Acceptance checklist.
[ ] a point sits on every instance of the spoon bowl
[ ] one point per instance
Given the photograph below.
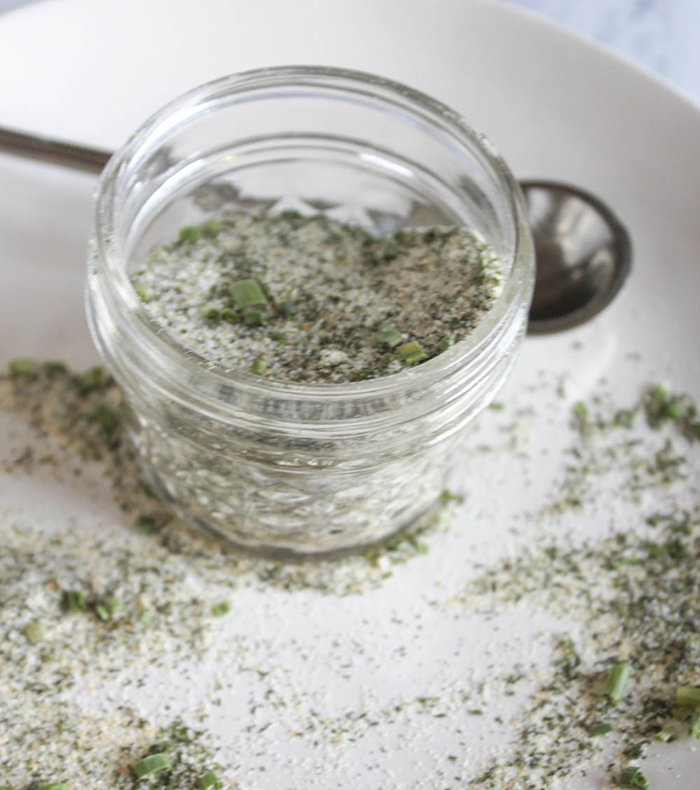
(583, 255)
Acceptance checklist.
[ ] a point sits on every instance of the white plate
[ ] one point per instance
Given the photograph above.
(555, 105)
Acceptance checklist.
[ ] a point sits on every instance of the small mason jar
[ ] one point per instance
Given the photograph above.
(301, 468)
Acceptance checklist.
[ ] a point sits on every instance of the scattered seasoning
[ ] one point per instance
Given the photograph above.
(221, 609)
(153, 764)
(632, 596)
(349, 305)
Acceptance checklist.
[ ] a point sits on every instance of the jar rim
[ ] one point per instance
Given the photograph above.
(163, 346)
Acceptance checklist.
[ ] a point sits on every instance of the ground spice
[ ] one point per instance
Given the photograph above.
(308, 299)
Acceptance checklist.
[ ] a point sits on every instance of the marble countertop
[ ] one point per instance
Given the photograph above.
(660, 35)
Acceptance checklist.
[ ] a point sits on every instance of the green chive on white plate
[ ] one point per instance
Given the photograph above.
(378, 689)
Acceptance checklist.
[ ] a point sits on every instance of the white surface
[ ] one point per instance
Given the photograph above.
(660, 35)
(556, 106)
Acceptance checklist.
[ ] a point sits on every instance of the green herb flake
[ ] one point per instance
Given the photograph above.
(258, 367)
(189, 234)
(212, 228)
(106, 418)
(633, 777)
(388, 335)
(212, 314)
(688, 697)
(601, 729)
(92, 379)
(695, 727)
(278, 337)
(54, 786)
(253, 318)
(287, 309)
(665, 735)
(227, 314)
(35, 632)
(496, 406)
(413, 352)
(210, 781)
(247, 293)
(22, 368)
(220, 609)
(142, 292)
(151, 765)
(54, 368)
(146, 524)
(447, 496)
(624, 418)
(73, 601)
(580, 411)
(446, 342)
(616, 683)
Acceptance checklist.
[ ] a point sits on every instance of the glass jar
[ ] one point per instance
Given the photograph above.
(301, 468)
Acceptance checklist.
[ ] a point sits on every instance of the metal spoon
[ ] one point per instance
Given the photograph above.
(583, 252)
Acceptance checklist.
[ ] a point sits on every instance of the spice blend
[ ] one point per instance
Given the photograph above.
(309, 299)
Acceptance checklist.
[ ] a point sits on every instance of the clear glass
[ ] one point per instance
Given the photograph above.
(272, 466)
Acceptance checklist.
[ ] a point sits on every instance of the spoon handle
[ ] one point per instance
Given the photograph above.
(56, 152)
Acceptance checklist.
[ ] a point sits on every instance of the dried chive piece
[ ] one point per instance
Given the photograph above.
(114, 605)
(412, 352)
(103, 612)
(624, 418)
(695, 727)
(496, 406)
(247, 293)
(212, 313)
(258, 367)
(447, 496)
(365, 373)
(279, 337)
(212, 228)
(616, 682)
(601, 729)
(54, 368)
(665, 735)
(190, 234)
(688, 697)
(388, 335)
(22, 368)
(633, 777)
(389, 251)
(446, 342)
(210, 781)
(151, 765)
(227, 314)
(92, 379)
(221, 609)
(287, 309)
(54, 786)
(73, 601)
(105, 417)
(35, 632)
(253, 318)
(142, 292)
(146, 524)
